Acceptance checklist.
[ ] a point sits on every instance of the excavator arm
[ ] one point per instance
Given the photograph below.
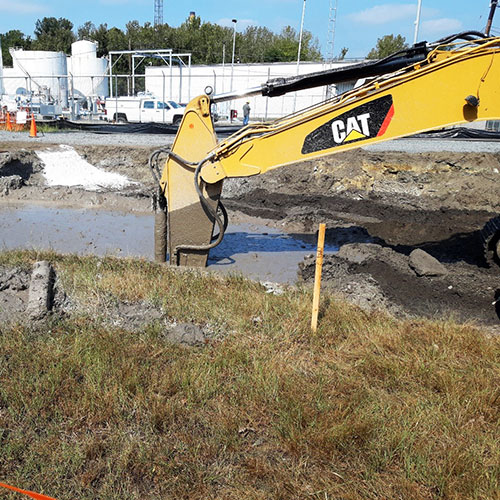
(452, 83)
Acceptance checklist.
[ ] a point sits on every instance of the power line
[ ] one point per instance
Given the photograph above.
(158, 12)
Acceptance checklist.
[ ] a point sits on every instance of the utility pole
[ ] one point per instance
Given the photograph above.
(493, 6)
(158, 12)
(300, 48)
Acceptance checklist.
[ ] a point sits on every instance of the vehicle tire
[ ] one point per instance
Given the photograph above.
(177, 120)
(121, 119)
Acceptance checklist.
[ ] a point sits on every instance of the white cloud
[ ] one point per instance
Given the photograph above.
(387, 13)
(439, 26)
(21, 7)
(382, 14)
(240, 25)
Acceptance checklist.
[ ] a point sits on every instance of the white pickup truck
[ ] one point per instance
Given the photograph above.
(143, 110)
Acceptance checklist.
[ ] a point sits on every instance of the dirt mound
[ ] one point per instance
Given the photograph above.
(377, 277)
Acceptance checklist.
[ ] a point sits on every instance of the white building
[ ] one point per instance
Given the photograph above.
(171, 83)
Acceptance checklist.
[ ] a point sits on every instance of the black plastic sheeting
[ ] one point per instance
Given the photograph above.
(460, 133)
(128, 128)
(160, 128)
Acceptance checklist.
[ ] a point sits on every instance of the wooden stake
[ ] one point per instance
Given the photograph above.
(317, 277)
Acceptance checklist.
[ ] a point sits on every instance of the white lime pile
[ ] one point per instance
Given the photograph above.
(65, 167)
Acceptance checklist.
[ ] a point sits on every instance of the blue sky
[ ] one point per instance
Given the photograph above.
(359, 23)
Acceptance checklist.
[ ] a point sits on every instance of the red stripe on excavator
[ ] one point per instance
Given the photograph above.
(32, 494)
(386, 122)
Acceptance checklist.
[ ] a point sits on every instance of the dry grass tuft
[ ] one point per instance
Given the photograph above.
(367, 408)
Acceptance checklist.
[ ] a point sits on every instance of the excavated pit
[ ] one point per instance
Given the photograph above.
(398, 202)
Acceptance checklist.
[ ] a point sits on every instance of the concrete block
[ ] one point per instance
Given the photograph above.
(41, 291)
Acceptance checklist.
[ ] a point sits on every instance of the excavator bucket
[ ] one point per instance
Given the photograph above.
(190, 223)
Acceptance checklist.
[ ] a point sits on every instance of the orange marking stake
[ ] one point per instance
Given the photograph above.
(33, 126)
(9, 123)
(317, 277)
(31, 494)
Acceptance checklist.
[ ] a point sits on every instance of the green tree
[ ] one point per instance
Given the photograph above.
(54, 34)
(386, 46)
(285, 46)
(343, 53)
(86, 30)
(13, 38)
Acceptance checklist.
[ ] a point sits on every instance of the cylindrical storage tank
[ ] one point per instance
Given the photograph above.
(88, 72)
(84, 48)
(45, 69)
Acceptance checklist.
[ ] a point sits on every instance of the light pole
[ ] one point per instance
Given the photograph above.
(300, 48)
(417, 22)
(300, 34)
(234, 21)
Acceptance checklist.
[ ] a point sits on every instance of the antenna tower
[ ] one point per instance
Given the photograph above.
(332, 21)
(158, 12)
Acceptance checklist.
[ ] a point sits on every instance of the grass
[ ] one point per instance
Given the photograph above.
(367, 408)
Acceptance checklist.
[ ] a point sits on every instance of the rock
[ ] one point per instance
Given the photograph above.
(186, 334)
(41, 292)
(357, 253)
(13, 279)
(11, 182)
(426, 265)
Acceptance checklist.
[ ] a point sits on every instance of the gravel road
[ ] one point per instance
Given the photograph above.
(437, 145)
(74, 138)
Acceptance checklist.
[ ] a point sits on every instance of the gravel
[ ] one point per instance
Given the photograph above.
(90, 139)
(76, 138)
(437, 145)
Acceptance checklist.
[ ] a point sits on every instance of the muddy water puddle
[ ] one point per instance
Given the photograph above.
(256, 251)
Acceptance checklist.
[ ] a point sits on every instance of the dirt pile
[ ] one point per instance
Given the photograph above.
(412, 181)
(377, 277)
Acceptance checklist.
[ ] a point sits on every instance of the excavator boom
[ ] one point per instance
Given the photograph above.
(453, 83)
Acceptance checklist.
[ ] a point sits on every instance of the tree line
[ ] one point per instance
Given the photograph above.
(204, 40)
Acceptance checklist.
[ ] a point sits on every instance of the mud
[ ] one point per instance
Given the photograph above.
(380, 205)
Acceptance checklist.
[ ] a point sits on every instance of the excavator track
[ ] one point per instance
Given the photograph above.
(490, 235)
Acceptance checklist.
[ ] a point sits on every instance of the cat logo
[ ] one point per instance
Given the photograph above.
(356, 127)
(369, 120)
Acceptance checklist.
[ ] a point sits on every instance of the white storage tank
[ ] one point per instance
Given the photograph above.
(44, 70)
(87, 72)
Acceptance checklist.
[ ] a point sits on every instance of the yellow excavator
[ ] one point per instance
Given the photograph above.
(431, 85)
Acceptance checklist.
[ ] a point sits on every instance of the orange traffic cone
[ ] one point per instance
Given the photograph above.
(33, 126)
(9, 123)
